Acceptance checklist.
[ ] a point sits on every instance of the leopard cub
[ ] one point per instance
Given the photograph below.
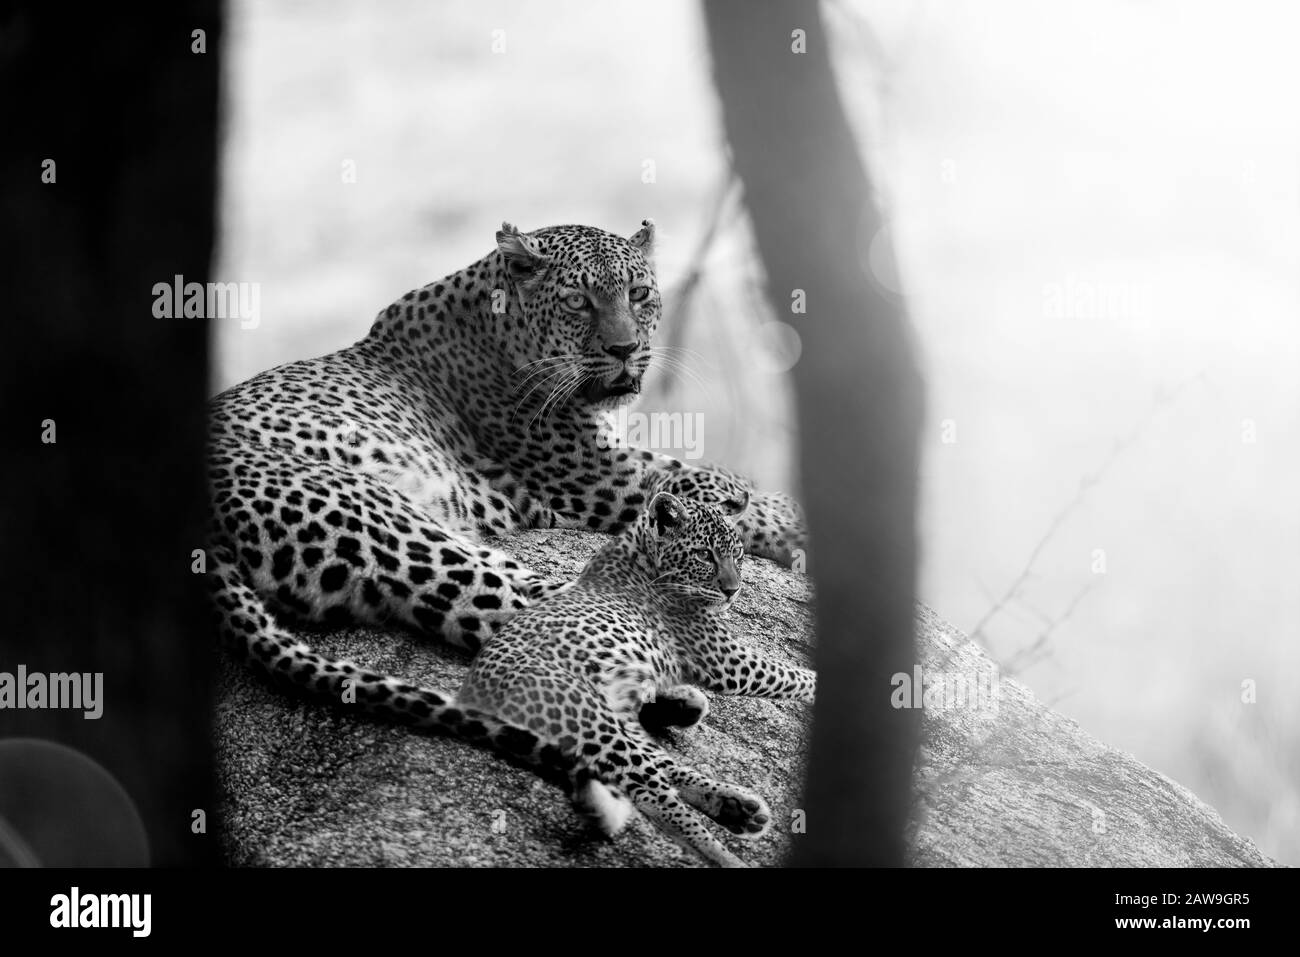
(568, 685)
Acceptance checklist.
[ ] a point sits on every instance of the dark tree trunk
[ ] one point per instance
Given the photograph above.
(860, 411)
(98, 527)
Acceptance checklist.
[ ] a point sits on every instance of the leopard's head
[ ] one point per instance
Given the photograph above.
(696, 550)
(583, 305)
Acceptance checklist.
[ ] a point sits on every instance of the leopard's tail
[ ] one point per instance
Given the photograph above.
(247, 627)
(251, 631)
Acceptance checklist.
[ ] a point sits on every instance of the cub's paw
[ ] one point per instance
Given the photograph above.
(739, 810)
(744, 813)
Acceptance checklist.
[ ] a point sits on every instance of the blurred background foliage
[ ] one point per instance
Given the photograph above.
(1094, 208)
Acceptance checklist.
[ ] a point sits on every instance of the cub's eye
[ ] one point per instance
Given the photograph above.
(704, 555)
(638, 293)
(576, 301)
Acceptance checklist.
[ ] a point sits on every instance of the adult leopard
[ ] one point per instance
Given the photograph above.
(359, 486)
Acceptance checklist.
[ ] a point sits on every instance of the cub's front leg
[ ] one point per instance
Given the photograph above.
(726, 666)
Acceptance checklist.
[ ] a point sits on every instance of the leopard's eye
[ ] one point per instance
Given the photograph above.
(576, 301)
(704, 555)
(638, 293)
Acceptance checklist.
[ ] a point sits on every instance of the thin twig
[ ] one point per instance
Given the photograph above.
(1086, 484)
(1028, 656)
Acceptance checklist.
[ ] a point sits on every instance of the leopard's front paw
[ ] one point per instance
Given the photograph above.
(743, 812)
(738, 809)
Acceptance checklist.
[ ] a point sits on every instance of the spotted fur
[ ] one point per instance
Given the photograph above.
(365, 486)
(566, 684)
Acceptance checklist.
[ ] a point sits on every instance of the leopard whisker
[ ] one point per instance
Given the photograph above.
(565, 376)
(670, 350)
(555, 374)
(678, 355)
(568, 394)
(550, 363)
(562, 355)
(560, 392)
(681, 370)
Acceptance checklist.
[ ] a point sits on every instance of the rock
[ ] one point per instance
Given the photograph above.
(302, 784)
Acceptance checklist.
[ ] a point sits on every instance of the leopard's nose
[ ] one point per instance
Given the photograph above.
(621, 350)
(729, 591)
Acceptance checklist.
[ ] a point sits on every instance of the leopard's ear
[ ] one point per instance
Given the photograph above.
(667, 511)
(644, 238)
(524, 261)
(735, 506)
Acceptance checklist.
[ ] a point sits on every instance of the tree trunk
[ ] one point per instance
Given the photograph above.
(860, 409)
(99, 524)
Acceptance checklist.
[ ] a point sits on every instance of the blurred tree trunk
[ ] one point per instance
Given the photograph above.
(98, 526)
(860, 411)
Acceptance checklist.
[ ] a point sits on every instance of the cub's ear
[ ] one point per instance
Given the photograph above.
(735, 507)
(644, 238)
(523, 259)
(667, 511)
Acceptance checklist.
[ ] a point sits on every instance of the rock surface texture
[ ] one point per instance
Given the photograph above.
(1010, 783)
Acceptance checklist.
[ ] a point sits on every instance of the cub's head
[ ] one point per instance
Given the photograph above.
(697, 552)
(583, 304)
